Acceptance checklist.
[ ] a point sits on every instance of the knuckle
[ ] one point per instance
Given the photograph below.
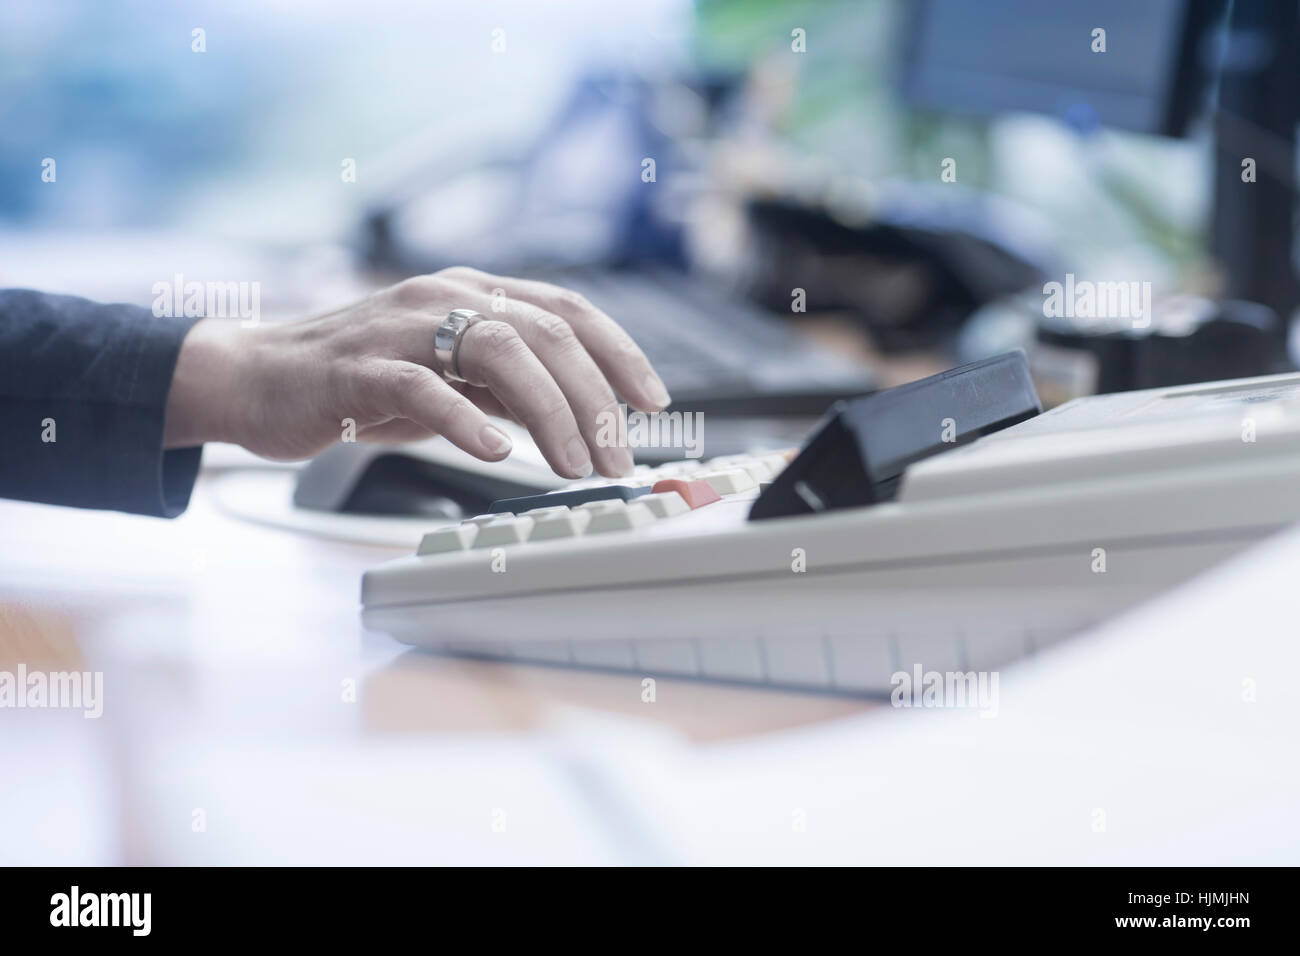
(609, 410)
(370, 390)
(553, 329)
(571, 301)
(382, 382)
(628, 350)
(551, 407)
(497, 340)
(461, 274)
(416, 290)
(369, 380)
(459, 411)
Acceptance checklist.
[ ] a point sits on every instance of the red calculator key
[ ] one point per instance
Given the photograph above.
(697, 494)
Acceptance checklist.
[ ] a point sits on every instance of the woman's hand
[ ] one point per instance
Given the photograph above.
(545, 357)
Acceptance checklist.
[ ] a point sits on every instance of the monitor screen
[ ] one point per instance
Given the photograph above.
(1043, 56)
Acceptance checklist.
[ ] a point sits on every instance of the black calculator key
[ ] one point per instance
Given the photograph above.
(567, 499)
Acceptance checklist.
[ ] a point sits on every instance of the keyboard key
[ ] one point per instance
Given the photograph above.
(570, 499)
(503, 531)
(456, 538)
(729, 482)
(598, 482)
(561, 523)
(696, 494)
(481, 520)
(675, 469)
(600, 507)
(723, 462)
(617, 516)
(541, 512)
(665, 504)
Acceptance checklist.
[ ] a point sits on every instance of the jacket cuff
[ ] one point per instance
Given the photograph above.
(85, 401)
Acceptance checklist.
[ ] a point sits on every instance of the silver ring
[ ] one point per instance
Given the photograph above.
(446, 341)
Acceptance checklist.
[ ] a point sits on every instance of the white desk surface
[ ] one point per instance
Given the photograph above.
(226, 646)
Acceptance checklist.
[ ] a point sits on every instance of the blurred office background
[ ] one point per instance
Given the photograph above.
(776, 170)
(796, 145)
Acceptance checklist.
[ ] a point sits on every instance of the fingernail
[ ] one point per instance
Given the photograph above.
(496, 440)
(655, 391)
(579, 460)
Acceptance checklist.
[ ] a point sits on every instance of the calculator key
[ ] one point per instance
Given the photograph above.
(723, 462)
(757, 470)
(729, 482)
(601, 507)
(696, 494)
(675, 469)
(507, 529)
(665, 504)
(537, 513)
(597, 482)
(571, 499)
(619, 517)
(561, 523)
(456, 538)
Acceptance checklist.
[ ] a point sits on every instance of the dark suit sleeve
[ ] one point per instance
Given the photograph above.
(83, 394)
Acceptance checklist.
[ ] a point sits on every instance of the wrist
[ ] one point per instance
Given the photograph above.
(205, 387)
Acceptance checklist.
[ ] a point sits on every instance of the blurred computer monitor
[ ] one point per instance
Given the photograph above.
(1163, 60)
(1035, 56)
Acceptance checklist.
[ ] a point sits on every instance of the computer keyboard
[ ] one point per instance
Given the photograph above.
(715, 353)
(977, 556)
(589, 508)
